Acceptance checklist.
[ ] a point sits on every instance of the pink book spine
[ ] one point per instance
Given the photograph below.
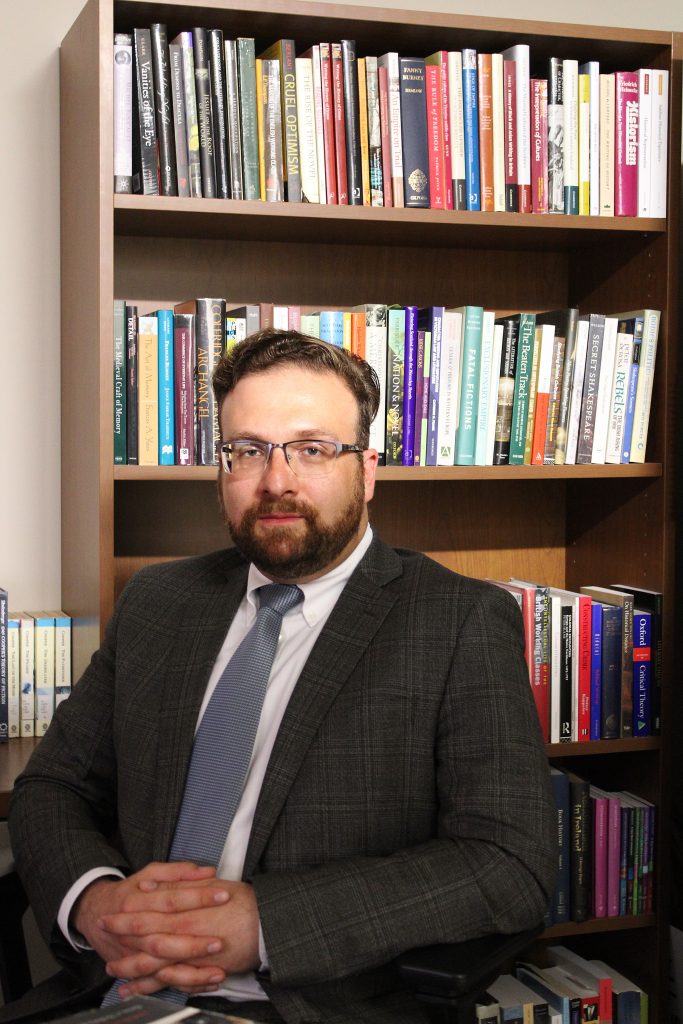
(613, 855)
(539, 145)
(626, 144)
(584, 674)
(446, 119)
(599, 856)
(435, 138)
(183, 344)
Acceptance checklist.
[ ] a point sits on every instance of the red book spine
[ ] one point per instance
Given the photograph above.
(539, 145)
(510, 100)
(626, 144)
(385, 133)
(485, 87)
(328, 122)
(339, 124)
(183, 344)
(435, 137)
(446, 120)
(584, 673)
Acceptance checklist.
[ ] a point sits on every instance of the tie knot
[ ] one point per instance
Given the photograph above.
(279, 596)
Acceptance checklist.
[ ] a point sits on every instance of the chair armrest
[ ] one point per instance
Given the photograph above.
(450, 971)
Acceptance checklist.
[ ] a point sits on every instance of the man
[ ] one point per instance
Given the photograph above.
(397, 792)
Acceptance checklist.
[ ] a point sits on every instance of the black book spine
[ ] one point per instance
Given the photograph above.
(218, 112)
(175, 54)
(233, 119)
(145, 129)
(414, 132)
(210, 343)
(505, 394)
(352, 118)
(203, 92)
(132, 385)
(164, 110)
(580, 849)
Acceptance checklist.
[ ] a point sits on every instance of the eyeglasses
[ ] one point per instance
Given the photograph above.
(307, 458)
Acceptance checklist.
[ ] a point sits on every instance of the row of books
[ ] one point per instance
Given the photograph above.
(458, 386)
(570, 989)
(594, 659)
(204, 116)
(35, 669)
(605, 852)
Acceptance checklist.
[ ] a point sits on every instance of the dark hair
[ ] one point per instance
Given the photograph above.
(268, 348)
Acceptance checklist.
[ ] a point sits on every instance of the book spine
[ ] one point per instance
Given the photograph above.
(319, 123)
(246, 64)
(385, 134)
(520, 401)
(599, 905)
(376, 317)
(646, 373)
(131, 385)
(555, 135)
(610, 704)
(175, 56)
(510, 136)
(164, 110)
(472, 325)
(642, 673)
(660, 135)
(339, 124)
(457, 129)
(184, 360)
(470, 106)
(352, 121)
(45, 671)
(191, 120)
(485, 107)
(505, 392)
(62, 657)
(446, 130)
(364, 131)
(569, 329)
(559, 910)
(570, 99)
(644, 176)
(626, 144)
(414, 132)
(573, 418)
(272, 132)
(434, 385)
(539, 145)
(554, 399)
(498, 117)
(4, 668)
(584, 91)
(484, 412)
(626, 702)
(210, 342)
(637, 326)
(202, 84)
(389, 61)
(290, 125)
(619, 396)
(590, 390)
(374, 132)
(607, 130)
(395, 390)
(584, 655)
(305, 102)
(219, 121)
(422, 423)
(613, 869)
(449, 386)
(146, 138)
(120, 438)
(123, 113)
(166, 399)
(567, 732)
(520, 55)
(13, 676)
(148, 391)
(437, 194)
(592, 69)
(234, 137)
(328, 122)
(27, 674)
(410, 375)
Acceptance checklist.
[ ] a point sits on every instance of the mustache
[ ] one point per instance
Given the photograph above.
(287, 506)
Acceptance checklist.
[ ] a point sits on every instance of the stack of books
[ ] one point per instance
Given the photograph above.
(35, 669)
(204, 116)
(594, 659)
(459, 386)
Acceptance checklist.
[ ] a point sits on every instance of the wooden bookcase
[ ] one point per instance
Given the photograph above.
(562, 525)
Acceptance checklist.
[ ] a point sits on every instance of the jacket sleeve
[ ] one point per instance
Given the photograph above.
(490, 866)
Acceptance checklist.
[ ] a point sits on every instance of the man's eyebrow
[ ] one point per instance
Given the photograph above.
(308, 433)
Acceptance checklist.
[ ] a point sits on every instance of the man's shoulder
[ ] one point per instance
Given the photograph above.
(203, 571)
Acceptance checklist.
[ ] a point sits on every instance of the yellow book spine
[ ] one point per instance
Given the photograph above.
(363, 130)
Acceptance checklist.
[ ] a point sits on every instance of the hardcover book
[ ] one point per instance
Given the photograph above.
(520, 55)
(175, 58)
(209, 345)
(555, 136)
(596, 329)
(506, 389)
(470, 365)
(457, 129)
(184, 364)
(470, 107)
(650, 600)
(163, 103)
(202, 83)
(626, 144)
(232, 118)
(123, 114)
(485, 107)
(396, 333)
(148, 391)
(354, 169)
(625, 602)
(144, 126)
(414, 132)
(165, 392)
(339, 116)
(120, 440)
(248, 116)
(390, 84)
(283, 51)
(219, 115)
(184, 40)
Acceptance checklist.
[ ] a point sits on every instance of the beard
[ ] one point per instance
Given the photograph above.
(291, 554)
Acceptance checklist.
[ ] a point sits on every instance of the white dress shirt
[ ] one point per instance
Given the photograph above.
(301, 627)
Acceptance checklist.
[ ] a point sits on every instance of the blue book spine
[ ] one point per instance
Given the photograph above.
(433, 321)
(596, 668)
(332, 327)
(166, 397)
(470, 363)
(409, 386)
(637, 330)
(610, 705)
(642, 673)
(470, 106)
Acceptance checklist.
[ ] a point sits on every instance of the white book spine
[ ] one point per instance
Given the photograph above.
(570, 148)
(376, 356)
(607, 99)
(495, 374)
(646, 373)
(27, 708)
(13, 675)
(484, 398)
(498, 116)
(457, 118)
(319, 126)
(449, 386)
(604, 396)
(592, 69)
(308, 147)
(62, 657)
(660, 135)
(374, 129)
(520, 55)
(123, 113)
(577, 391)
(555, 666)
(45, 672)
(584, 144)
(622, 368)
(390, 62)
(645, 76)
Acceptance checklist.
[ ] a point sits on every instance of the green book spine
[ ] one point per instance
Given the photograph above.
(396, 334)
(119, 382)
(246, 63)
(472, 319)
(520, 406)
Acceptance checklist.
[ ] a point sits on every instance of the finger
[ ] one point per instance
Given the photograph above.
(185, 976)
(167, 948)
(133, 966)
(151, 875)
(174, 900)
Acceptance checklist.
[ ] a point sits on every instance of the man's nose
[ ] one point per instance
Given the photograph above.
(278, 476)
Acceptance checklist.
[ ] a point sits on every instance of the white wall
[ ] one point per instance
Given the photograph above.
(29, 264)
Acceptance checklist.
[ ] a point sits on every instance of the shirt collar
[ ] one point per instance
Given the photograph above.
(320, 595)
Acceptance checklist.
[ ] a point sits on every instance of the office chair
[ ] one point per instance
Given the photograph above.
(15, 975)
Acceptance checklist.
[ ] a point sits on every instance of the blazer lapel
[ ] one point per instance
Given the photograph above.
(201, 628)
(353, 622)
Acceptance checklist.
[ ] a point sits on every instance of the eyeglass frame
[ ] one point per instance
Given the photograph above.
(341, 448)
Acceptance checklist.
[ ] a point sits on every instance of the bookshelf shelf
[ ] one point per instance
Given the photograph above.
(600, 924)
(562, 525)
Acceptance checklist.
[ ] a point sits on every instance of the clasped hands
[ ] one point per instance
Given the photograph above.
(171, 925)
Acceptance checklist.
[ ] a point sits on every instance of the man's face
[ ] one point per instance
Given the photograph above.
(295, 528)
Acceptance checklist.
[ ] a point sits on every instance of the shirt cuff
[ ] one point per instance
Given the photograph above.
(73, 937)
(262, 952)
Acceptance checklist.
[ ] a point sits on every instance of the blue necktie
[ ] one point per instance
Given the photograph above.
(224, 743)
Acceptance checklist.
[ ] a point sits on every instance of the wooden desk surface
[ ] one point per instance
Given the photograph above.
(13, 756)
